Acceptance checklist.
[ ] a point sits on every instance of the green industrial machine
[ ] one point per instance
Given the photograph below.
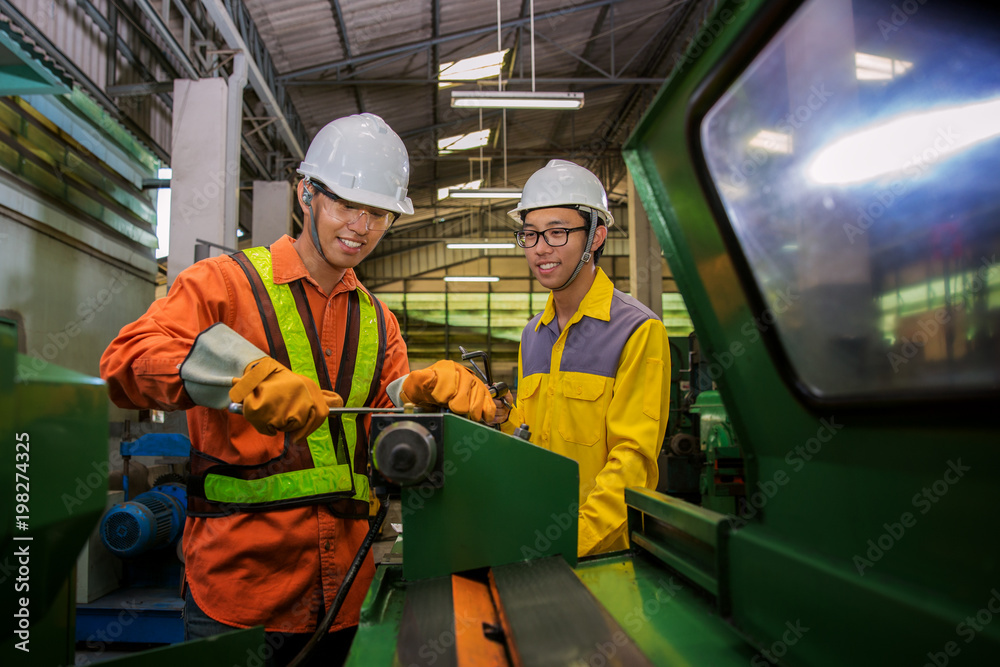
(820, 175)
(840, 268)
(700, 461)
(54, 423)
(720, 481)
(55, 431)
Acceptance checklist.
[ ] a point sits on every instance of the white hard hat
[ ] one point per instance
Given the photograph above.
(360, 159)
(564, 183)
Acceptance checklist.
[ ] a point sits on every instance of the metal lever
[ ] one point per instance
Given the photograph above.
(486, 375)
(237, 409)
(498, 389)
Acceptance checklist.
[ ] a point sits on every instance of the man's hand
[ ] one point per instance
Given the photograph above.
(451, 385)
(502, 412)
(276, 399)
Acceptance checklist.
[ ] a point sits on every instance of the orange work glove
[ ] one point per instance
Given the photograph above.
(276, 399)
(452, 385)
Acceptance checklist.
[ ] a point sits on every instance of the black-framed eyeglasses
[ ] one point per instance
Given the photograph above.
(344, 212)
(555, 237)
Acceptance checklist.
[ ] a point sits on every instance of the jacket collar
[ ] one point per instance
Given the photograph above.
(596, 302)
(287, 267)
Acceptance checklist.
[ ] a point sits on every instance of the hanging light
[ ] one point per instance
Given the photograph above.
(507, 99)
(485, 193)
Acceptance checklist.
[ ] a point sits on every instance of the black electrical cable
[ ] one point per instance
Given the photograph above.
(345, 586)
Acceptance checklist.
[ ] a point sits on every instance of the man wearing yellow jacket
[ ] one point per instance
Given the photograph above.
(594, 366)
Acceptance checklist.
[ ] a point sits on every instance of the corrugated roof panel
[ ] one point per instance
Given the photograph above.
(468, 14)
(382, 24)
(297, 33)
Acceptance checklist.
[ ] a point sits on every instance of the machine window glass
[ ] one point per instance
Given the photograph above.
(856, 159)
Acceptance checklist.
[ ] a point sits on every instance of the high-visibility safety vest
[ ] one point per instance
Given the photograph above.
(331, 467)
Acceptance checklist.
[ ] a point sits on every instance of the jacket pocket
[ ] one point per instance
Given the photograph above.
(582, 418)
(528, 386)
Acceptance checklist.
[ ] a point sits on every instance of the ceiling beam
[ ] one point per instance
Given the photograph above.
(575, 80)
(262, 74)
(562, 119)
(338, 16)
(619, 121)
(427, 43)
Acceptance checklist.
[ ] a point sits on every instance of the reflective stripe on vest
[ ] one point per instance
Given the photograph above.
(331, 474)
(366, 358)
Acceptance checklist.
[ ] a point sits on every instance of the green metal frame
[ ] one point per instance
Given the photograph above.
(58, 419)
(830, 489)
(500, 500)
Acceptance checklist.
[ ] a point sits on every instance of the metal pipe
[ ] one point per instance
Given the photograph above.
(164, 32)
(234, 132)
(231, 33)
(237, 409)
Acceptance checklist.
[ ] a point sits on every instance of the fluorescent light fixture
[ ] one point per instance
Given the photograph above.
(495, 99)
(475, 68)
(914, 139)
(870, 67)
(486, 245)
(461, 142)
(485, 193)
(773, 142)
(471, 279)
(471, 185)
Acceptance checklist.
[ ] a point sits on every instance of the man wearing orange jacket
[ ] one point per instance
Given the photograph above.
(279, 498)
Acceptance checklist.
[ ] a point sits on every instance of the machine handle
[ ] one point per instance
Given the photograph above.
(237, 409)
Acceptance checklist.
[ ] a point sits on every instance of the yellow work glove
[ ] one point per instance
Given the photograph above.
(276, 399)
(451, 385)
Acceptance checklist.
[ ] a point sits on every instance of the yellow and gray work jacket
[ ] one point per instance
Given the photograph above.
(331, 465)
(597, 391)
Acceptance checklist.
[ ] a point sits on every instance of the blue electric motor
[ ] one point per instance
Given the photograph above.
(148, 521)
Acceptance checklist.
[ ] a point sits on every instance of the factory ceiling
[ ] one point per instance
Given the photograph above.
(390, 57)
(315, 60)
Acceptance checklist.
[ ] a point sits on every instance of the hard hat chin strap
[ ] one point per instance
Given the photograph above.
(307, 199)
(586, 251)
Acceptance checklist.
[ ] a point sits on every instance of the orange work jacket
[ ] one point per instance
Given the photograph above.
(280, 569)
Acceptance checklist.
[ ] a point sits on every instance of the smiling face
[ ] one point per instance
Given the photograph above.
(345, 243)
(553, 266)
